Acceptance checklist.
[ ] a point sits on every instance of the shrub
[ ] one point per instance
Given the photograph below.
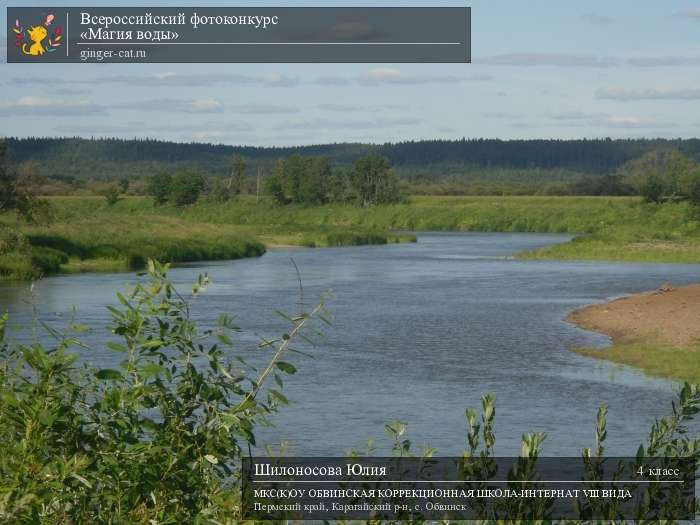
(355, 238)
(135, 261)
(157, 439)
(186, 187)
(12, 240)
(159, 187)
(111, 195)
(48, 260)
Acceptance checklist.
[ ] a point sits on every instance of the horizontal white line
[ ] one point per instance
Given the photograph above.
(455, 481)
(269, 43)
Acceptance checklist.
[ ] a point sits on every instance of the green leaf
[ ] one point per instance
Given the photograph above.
(287, 368)
(46, 418)
(151, 369)
(80, 328)
(153, 343)
(225, 339)
(116, 347)
(109, 375)
(281, 398)
(82, 480)
(3, 322)
(123, 300)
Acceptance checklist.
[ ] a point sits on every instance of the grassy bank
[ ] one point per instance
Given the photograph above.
(656, 359)
(106, 243)
(610, 228)
(86, 233)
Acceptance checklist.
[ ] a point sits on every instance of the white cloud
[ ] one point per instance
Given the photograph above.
(394, 76)
(207, 105)
(380, 122)
(264, 109)
(346, 108)
(208, 131)
(171, 79)
(129, 129)
(624, 94)
(547, 59)
(577, 119)
(31, 105)
(664, 61)
(389, 75)
(576, 115)
(621, 121)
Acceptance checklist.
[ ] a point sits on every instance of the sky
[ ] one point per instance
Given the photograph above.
(541, 69)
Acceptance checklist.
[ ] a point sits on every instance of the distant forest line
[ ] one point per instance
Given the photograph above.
(439, 167)
(76, 156)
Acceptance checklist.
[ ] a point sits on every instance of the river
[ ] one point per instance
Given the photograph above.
(421, 331)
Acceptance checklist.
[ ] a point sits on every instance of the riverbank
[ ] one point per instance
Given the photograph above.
(86, 233)
(656, 331)
(624, 229)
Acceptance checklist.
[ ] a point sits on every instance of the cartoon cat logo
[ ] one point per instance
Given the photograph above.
(31, 41)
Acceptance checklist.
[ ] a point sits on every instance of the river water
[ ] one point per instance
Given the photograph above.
(421, 331)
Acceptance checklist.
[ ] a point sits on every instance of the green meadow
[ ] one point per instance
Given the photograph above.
(88, 234)
(680, 363)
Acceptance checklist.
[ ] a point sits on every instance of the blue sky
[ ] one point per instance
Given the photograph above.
(542, 69)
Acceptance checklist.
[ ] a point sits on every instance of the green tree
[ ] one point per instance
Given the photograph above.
(659, 175)
(374, 181)
(237, 180)
(340, 188)
(691, 186)
(18, 197)
(219, 190)
(274, 184)
(160, 187)
(300, 179)
(186, 187)
(313, 174)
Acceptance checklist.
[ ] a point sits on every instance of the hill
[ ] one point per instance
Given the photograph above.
(433, 159)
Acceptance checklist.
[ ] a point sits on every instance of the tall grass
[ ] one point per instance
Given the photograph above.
(89, 237)
(94, 235)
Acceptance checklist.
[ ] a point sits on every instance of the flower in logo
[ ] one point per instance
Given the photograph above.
(31, 40)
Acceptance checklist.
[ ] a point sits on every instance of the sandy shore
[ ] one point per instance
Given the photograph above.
(667, 316)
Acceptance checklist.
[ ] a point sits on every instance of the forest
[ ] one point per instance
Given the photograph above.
(435, 159)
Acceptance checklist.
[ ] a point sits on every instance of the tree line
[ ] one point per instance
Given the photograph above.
(298, 179)
(107, 158)
(658, 175)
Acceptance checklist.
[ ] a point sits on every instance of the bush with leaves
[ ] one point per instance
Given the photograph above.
(669, 438)
(660, 175)
(159, 187)
(186, 187)
(111, 194)
(374, 181)
(156, 440)
(18, 197)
